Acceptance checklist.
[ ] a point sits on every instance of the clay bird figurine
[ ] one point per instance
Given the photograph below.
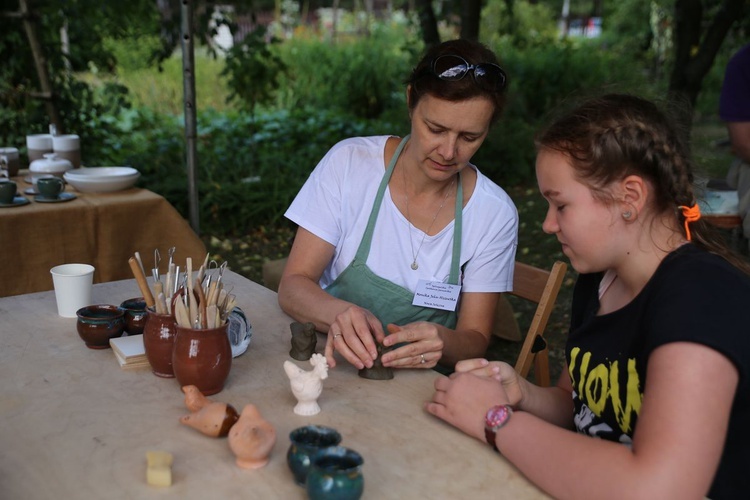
(307, 385)
(214, 420)
(194, 398)
(251, 439)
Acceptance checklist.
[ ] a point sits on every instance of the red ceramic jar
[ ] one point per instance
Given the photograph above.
(158, 340)
(202, 357)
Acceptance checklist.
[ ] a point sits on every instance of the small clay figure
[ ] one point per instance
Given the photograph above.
(304, 339)
(251, 439)
(307, 386)
(378, 371)
(214, 419)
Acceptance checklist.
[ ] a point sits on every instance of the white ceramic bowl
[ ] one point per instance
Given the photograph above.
(101, 179)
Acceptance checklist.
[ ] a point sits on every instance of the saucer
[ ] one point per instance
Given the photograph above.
(63, 197)
(30, 190)
(17, 202)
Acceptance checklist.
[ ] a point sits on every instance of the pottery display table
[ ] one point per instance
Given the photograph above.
(73, 424)
(103, 230)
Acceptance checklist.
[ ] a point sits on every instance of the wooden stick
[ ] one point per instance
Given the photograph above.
(161, 306)
(140, 278)
(201, 305)
(192, 306)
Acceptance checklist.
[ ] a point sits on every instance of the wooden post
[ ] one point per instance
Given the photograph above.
(188, 71)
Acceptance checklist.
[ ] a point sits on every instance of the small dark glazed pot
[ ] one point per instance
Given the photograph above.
(98, 323)
(305, 442)
(135, 315)
(335, 473)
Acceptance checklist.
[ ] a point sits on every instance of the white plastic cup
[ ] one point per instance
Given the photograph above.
(73, 285)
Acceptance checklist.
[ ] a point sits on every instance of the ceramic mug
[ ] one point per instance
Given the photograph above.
(10, 161)
(7, 192)
(50, 187)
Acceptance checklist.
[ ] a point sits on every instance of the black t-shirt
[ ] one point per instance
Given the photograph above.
(693, 296)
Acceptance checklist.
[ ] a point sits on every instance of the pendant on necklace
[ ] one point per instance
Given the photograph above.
(414, 265)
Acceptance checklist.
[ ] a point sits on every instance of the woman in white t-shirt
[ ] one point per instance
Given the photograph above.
(401, 241)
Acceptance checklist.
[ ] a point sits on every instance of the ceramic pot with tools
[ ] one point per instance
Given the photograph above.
(202, 357)
(49, 165)
(159, 333)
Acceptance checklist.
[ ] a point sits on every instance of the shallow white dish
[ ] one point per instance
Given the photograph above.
(101, 179)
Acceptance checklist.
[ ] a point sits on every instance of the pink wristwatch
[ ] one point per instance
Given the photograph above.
(496, 417)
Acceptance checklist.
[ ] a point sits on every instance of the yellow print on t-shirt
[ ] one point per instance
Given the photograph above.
(598, 385)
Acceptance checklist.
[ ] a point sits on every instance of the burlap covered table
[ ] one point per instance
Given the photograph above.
(103, 229)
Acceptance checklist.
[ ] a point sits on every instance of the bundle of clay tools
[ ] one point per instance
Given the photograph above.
(195, 302)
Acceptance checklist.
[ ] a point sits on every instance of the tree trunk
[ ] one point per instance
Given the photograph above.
(470, 15)
(40, 62)
(428, 23)
(695, 51)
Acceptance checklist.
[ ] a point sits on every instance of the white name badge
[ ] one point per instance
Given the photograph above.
(436, 295)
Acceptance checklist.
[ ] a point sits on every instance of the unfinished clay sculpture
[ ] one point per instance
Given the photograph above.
(307, 386)
(251, 439)
(378, 371)
(304, 339)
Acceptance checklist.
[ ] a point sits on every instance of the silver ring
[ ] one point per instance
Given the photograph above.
(336, 336)
(423, 361)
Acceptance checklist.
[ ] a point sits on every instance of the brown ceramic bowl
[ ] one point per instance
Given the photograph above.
(98, 323)
(135, 315)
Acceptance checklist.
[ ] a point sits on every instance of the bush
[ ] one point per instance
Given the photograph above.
(364, 77)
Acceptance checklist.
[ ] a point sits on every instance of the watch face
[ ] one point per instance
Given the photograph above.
(497, 415)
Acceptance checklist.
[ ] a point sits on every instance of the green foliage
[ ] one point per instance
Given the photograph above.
(528, 24)
(540, 78)
(161, 90)
(363, 76)
(253, 70)
(134, 51)
(249, 166)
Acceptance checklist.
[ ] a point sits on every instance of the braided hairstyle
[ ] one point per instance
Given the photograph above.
(616, 135)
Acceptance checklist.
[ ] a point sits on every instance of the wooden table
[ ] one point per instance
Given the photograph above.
(73, 424)
(103, 230)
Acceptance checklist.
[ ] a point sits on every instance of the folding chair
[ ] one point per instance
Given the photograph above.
(539, 286)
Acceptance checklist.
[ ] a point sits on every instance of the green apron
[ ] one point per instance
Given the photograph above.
(389, 302)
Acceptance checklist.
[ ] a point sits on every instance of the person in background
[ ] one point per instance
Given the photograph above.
(658, 355)
(395, 231)
(734, 110)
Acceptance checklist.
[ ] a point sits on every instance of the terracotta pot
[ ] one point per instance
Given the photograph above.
(202, 357)
(159, 333)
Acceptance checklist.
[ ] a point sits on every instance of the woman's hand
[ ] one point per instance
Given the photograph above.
(463, 399)
(513, 385)
(423, 349)
(354, 334)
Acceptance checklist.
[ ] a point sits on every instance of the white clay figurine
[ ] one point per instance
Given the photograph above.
(307, 386)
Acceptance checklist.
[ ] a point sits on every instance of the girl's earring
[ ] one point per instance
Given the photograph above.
(627, 215)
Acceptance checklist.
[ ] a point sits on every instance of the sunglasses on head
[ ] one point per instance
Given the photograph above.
(452, 68)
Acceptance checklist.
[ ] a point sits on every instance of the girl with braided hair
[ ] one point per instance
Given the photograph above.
(658, 353)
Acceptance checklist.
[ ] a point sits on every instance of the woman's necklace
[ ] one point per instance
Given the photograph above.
(414, 264)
